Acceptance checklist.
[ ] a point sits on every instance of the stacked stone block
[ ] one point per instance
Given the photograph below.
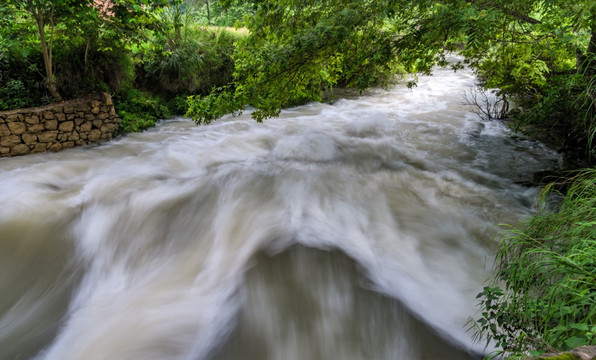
(58, 126)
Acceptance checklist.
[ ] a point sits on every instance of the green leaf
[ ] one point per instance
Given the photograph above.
(582, 327)
(575, 341)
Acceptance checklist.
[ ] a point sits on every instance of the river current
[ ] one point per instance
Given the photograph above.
(358, 229)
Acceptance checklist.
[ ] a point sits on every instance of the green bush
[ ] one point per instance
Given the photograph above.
(213, 13)
(194, 64)
(176, 69)
(178, 105)
(13, 95)
(20, 84)
(139, 110)
(543, 295)
(81, 71)
(564, 112)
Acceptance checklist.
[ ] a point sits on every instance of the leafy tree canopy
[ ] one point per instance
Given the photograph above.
(113, 21)
(298, 48)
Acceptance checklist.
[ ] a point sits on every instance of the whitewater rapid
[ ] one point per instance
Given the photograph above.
(358, 229)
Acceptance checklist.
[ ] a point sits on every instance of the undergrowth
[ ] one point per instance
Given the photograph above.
(139, 110)
(543, 295)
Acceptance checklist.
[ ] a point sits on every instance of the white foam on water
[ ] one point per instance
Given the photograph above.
(165, 224)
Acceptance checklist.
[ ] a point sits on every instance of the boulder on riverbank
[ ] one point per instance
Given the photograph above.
(581, 353)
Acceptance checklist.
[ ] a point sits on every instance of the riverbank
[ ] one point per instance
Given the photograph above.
(581, 353)
(543, 294)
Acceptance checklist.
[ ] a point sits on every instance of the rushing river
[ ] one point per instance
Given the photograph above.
(354, 230)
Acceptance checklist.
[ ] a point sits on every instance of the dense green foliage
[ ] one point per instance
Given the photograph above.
(216, 12)
(139, 110)
(70, 47)
(97, 26)
(544, 293)
(190, 62)
(148, 57)
(545, 62)
(18, 84)
(298, 50)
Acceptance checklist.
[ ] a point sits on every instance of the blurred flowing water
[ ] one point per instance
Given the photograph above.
(354, 230)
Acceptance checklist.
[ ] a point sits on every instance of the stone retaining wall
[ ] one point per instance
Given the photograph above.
(58, 126)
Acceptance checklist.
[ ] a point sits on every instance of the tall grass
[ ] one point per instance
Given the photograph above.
(189, 59)
(543, 295)
(589, 118)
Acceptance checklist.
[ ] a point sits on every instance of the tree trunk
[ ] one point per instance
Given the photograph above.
(590, 70)
(208, 14)
(47, 56)
(87, 52)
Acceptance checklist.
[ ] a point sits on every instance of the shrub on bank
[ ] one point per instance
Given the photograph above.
(194, 64)
(543, 296)
(20, 84)
(139, 110)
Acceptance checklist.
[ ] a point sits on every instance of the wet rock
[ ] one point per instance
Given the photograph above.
(20, 149)
(94, 135)
(86, 127)
(66, 126)
(36, 128)
(17, 128)
(51, 124)
(542, 178)
(39, 147)
(4, 130)
(10, 141)
(581, 353)
(29, 139)
(55, 147)
(33, 119)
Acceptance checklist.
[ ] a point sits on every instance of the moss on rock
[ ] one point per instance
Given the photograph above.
(565, 356)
